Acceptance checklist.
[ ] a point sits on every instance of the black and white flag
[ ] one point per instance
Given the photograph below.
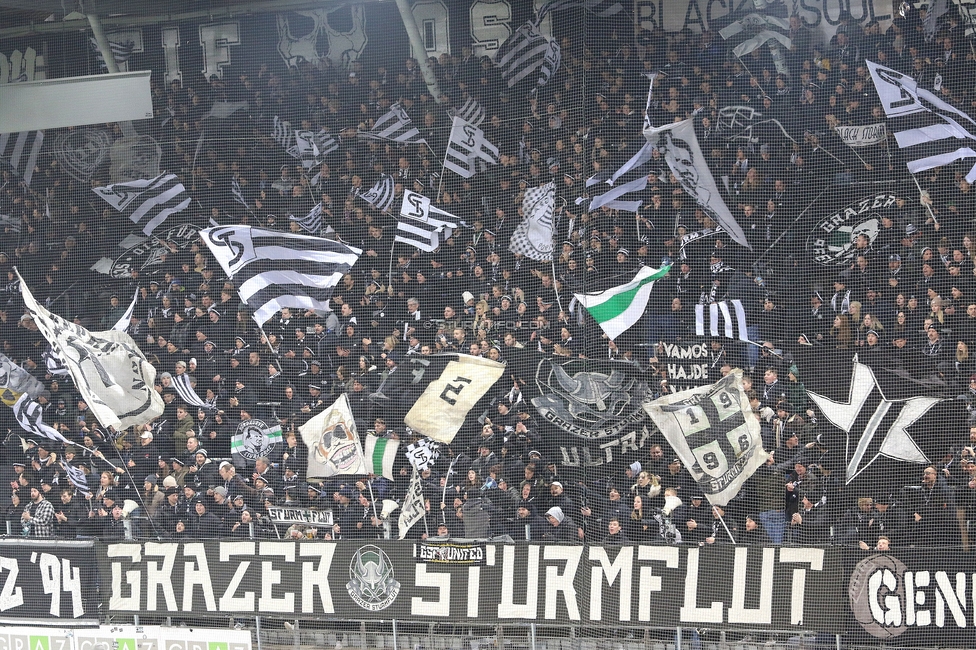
(414, 506)
(184, 388)
(311, 222)
(30, 417)
(120, 52)
(109, 370)
(423, 225)
(685, 159)
(525, 52)
(380, 196)
(275, 269)
(394, 125)
(423, 453)
(281, 132)
(726, 318)
(620, 188)
(9, 225)
(311, 148)
(929, 131)
(20, 151)
(715, 434)
(468, 151)
(147, 203)
(471, 112)
(16, 381)
(533, 236)
(77, 477)
(759, 28)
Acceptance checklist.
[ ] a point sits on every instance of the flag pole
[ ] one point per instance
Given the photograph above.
(784, 233)
(921, 196)
(447, 478)
(372, 497)
(724, 525)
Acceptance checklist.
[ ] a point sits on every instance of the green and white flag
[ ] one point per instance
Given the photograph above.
(254, 438)
(380, 454)
(618, 308)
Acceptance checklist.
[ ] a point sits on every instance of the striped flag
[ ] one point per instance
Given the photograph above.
(30, 416)
(120, 51)
(930, 132)
(380, 454)
(527, 51)
(20, 151)
(618, 188)
(281, 132)
(618, 308)
(311, 222)
(725, 318)
(77, 476)
(147, 203)
(311, 148)
(380, 196)
(417, 227)
(533, 236)
(274, 269)
(184, 388)
(471, 112)
(468, 145)
(760, 28)
(395, 125)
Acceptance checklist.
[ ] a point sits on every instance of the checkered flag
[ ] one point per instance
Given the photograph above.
(423, 453)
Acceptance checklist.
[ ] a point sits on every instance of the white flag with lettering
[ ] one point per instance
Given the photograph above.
(413, 505)
(109, 370)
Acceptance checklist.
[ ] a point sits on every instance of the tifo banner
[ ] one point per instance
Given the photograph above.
(777, 588)
(48, 582)
(832, 238)
(863, 136)
(911, 598)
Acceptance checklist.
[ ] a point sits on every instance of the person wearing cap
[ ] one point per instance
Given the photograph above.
(202, 523)
(559, 498)
(202, 471)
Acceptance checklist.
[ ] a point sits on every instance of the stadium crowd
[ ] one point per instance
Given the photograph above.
(909, 295)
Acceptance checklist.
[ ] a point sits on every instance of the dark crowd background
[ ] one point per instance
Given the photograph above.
(905, 298)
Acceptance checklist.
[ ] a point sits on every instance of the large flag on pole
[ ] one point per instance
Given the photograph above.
(380, 196)
(109, 370)
(440, 411)
(468, 151)
(679, 144)
(20, 151)
(276, 269)
(715, 434)
(30, 417)
(929, 131)
(148, 203)
(417, 225)
(414, 508)
(526, 51)
(618, 308)
(394, 125)
(333, 442)
(533, 236)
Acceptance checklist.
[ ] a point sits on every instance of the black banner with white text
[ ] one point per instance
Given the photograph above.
(48, 582)
(652, 586)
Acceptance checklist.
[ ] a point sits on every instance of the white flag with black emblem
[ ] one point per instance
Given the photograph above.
(109, 370)
(468, 151)
(715, 434)
(929, 131)
(685, 159)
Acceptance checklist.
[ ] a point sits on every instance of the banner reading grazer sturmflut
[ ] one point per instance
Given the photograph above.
(48, 582)
(640, 586)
